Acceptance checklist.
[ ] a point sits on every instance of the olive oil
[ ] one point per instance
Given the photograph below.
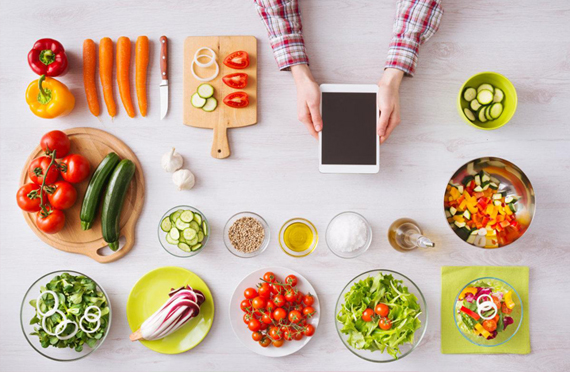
(298, 237)
(405, 235)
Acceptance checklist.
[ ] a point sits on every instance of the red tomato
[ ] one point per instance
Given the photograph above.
(298, 335)
(62, 196)
(237, 60)
(52, 223)
(279, 300)
(254, 325)
(310, 330)
(263, 326)
(276, 288)
(75, 168)
(290, 295)
(308, 300)
(291, 280)
(490, 325)
(237, 99)
(505, 309)
(278, 343)
(236, 81)
(28, 197)
(265, 342)
(270, 306)
(382, 310)
(269, 277)
(247, 317)
(275, 333)
(264, 290)
(245, 305)
(250, 293)
(385, 324)
(37, 170)
(308, 312)
(295, 316)
(297, 307)
(288, 335)
(256, 336)
(259, 302)
(266, 318)
(367, 315)
(279, 314)
(56, 141)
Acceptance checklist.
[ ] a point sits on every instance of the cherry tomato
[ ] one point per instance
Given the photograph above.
(245, 305)
(56, 141)
(310, 330)
(382, 310)
(270, 306)
(62, 195)
(297, 307)
(385, 324)
(278, 343)
(294, 316)
(269, 277)
(250, 293)
(52, 223)
(267, 318)
(28, 197)
(490, 325)
(259, 302)
(288, 335)
(308, 300)
(254, 325)
(264, 290)
(75, 168)
(265, 342)
(300, 296)
(279, 300)
(256, 336)
(237, 60)
(279, 314)
(247, 317)
(236, 81)
(37, 170)
(308, 312)
(275, 333)
(276, 289)
(505, 309)
(298, 335)
(367, 315)
(237, 100)
(291, 280)
(290, 295)
(264, 326)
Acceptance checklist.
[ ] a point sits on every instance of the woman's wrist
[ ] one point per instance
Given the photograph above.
(391, 77)
(302, 72)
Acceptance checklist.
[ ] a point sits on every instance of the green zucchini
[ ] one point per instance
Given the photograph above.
(114, 200)
(93, 193)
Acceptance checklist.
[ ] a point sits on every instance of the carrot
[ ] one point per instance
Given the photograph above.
(106, 74)
(123, 73)
(141, 65)
(89, 65)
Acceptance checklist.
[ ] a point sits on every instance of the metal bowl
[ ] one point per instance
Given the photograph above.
(512, 181)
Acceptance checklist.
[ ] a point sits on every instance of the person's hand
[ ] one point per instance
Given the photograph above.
(308, 99)
(389, 102)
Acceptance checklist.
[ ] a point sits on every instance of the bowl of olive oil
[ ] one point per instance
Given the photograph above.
(298, 237)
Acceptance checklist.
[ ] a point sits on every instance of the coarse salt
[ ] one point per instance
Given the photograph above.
(347, 233)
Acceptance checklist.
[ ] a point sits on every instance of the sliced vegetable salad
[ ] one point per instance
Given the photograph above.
(379, 313)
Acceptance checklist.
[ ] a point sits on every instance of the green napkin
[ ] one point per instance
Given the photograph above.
(453, 278)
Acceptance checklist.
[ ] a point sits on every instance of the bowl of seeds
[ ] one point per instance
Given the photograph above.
(246, 234)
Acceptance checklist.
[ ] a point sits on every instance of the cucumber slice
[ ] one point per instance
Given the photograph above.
(185, 247)
(485, 87)
(166, 225)
(187, 216)
(189, 234)
(496, 110)
(170, 240)
(210, 105)
(174, 234)
(194, 226)
(197, 101)
(487, 113)
(196, 247)
(499, 95)
(198, 219)
(474, 105)
(452, 211)
(175, 216)
(193, 241)
(481, 115)
(469, 94)
(478, 189)
(512, 207)
(485, 177)
(200, 236)
(459, 224)
(478, 179)
(469, 114)
(485, 97)
(182, 240)
(467, 215)
(181, 225)
(205, 228)
(205, 91)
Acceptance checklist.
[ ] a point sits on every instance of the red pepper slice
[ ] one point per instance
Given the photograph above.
(470, 313)
(48, 57)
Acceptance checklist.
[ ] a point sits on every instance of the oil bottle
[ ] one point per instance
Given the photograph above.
(405, 235)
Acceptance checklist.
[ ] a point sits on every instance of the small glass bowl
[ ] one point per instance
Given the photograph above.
(288, 250)
(173, 249)
(27, 312)
(229, 244)
(357, 252)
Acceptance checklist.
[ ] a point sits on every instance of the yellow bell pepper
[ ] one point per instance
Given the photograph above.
(509, 300)
(480, 330)
(471, 290)
(454, 193)
(48, 98)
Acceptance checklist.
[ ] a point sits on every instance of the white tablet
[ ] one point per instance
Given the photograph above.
(348, 142)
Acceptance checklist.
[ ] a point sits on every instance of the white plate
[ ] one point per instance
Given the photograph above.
(240, 328)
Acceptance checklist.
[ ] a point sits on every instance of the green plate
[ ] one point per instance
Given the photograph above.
(151, 292)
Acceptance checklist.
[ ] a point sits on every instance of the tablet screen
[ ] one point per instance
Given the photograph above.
(349, 128)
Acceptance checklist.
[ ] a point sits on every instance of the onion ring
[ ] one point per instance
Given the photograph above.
(56, 328)
(207, 64)
(197, 55)
(491, 305)
(92, 331)
(215, 75)
(91, 318)
(64, 326)
(51, 311)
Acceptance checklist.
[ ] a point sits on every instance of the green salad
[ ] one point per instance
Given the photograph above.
(70, 312)
(379, 313)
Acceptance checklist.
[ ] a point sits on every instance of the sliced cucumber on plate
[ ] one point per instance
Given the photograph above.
(204, 98)
(185, 229)
(486, 103)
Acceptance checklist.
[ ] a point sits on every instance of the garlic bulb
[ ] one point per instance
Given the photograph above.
(172, 161)
(183, 179)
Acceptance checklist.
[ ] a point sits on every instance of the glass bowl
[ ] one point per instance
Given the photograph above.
(502, 337)
(229, 244)
(173, 249)
(360, 250)
(405, 349)
(307, 251)
(27, 312)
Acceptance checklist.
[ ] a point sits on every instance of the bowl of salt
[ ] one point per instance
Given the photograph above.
(348, 235)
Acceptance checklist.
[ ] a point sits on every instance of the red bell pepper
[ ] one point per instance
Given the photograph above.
(470, 313)
(48, 57)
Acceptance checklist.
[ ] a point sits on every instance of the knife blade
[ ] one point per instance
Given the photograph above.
(164, 76)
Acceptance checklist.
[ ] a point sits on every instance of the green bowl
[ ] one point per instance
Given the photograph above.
(509, 102)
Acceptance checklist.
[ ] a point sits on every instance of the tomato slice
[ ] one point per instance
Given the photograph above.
(238, 60)
(237, 99)
(236, 81)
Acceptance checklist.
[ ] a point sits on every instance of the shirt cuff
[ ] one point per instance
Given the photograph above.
(403, 55)
(289, 50)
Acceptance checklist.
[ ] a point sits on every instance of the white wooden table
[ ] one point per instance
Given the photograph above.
(273, 169)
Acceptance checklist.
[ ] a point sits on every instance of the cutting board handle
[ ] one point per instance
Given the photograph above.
(220, 146)
(129, 235)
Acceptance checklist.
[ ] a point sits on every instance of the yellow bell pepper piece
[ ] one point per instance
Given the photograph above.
(480, 330)
(508, 210)
(463, 205)
(471, 290)
(454, 193)
(509, 300)
(472, 207)
(48, 98)
(490, 209)
(458, 218)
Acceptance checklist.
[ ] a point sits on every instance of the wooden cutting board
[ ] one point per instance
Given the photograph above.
(94, 144)
(223, 117)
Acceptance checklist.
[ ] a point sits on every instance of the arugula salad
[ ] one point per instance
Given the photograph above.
(379, 313)
(70, 312)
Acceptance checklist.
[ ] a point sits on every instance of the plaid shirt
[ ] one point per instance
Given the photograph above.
(416, 21)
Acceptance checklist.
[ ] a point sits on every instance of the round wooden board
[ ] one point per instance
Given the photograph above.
(94, 144)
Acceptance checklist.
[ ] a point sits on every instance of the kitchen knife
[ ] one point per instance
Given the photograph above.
(164, 76)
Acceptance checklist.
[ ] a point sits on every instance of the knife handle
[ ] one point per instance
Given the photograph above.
(164, 58)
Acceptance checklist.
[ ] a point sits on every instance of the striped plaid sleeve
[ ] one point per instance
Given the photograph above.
(416, 21)
(282, 19)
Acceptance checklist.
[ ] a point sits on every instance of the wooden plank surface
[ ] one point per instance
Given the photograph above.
(274, 169)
